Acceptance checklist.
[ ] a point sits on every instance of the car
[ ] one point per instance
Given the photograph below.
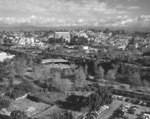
(111, 117)
(120, 98)
(114, 96)
(104, 107)
(81, 116)
(102, 110)
(141, 102)
(124, 109)
(131, 111)
(99, 112)
(127, 100)
(89, 117)
(127, 105)
(107, 107)
(95, 113)
(125, 117)
(144, 104)
(135, 101)
(134, 107)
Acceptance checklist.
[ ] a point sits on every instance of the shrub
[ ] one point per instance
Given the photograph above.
(17, 114)
(4, 103)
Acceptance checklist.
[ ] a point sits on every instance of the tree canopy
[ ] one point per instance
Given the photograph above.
(100, 97)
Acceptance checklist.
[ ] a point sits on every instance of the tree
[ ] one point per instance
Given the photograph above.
(100, 72)
(146, 84)
(94, 102)
(111, 74)
(41, 73)
(62, 115)
(100, 97)
(135, 79)
(65, 86)
(21, 89)
(19, 65)
(86, 69)
(17, 114)
(67, 115)
(4, 103)
(80, 77)
(62, 85)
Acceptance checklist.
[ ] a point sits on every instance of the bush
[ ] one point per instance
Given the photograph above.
(4, 103)
(21, 89)
(62, 115)
(17, 114)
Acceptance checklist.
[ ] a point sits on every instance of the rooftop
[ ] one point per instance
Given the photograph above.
(44, 61)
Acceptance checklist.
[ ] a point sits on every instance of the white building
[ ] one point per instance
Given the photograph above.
(4, 56)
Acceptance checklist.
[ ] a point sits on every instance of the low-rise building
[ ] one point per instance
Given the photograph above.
(63, 35)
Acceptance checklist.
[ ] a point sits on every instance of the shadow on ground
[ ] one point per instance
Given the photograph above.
(4, 117)
(73, 102)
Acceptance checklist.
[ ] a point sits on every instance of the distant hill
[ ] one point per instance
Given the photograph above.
(22, 28)
(37, 28)
(25, 27)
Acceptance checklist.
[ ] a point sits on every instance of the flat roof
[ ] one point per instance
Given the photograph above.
(53, 60)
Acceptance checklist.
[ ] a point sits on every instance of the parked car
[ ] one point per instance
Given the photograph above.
(135, 101)
(127, 100)
(134, 107)
(89, 116)
(95, 114)
(131, 111)
(120, 97)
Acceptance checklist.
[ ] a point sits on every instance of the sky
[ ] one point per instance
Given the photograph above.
(106, 13)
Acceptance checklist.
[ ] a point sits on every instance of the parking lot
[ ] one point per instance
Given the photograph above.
(128, 115)
(122, 108)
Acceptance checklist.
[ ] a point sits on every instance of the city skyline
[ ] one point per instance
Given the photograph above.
(55, 13)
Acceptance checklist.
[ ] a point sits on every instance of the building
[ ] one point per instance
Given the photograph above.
(48, 61)
(64, 35)
(4, 56)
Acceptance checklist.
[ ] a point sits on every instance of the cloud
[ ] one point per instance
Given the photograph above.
(60, 8)
(32, 20)
(71, 13)
(133, 0)
(22, 5)
(127, 7)
(133, 7)
(124, 22)
(139, 22)
(119, 21)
